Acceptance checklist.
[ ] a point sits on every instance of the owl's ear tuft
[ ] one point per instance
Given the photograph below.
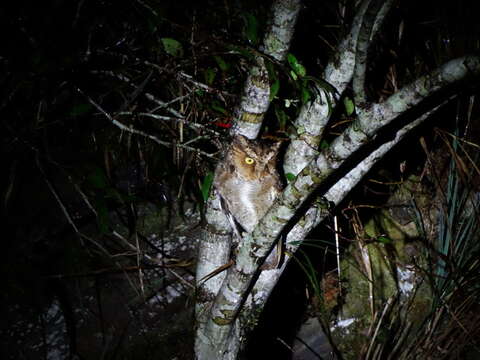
(240, 140)
(273, 149)
(276, 145)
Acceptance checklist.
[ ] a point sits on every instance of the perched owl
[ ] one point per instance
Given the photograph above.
(247, 180)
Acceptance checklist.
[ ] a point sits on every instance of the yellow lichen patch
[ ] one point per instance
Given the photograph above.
(225, 319)
(251, 118)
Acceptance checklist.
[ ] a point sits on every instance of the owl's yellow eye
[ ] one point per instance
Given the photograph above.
(249, 160)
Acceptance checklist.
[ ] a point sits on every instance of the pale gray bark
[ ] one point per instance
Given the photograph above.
(256, 94)
(215, 248)
(224, 305)
(314, 116)
(334, 195)
(282, 22)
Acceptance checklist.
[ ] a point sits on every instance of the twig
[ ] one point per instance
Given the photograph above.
(191, 286)
(82, 195)
(140, 272)
(202, 85)
(142, 133)
(337, 246)
(380, 321)
(57, 197)
(171, 118)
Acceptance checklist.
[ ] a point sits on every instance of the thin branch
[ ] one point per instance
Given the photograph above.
(203, 86)
(335, 194)
(255, 100)
(57, 197)
(142, 133)
(372, 23)
(284, 15)
(192, 125)
(254, 245)
(381, 17)
(315, 115)
(363, 44)
(161, 104)
(66, 213)
(339, 70)
(377, 116)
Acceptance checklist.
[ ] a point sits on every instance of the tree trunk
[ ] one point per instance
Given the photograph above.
(229, 298)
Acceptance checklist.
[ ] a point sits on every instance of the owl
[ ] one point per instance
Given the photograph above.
(247, 181)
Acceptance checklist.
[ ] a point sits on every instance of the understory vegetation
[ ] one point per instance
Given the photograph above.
(113, 116)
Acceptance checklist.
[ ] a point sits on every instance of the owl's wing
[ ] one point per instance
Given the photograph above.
(236, 227)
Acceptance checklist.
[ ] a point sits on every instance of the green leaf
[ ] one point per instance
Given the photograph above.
(274, 89)
(281, 116)
(80, 109)
(306, 95)
(349, 105)
(298, 68)
(292, 60)
(322, 85)
(293, 74)
(102, 216)
(210, 76)
(384, 240)
(217, 107)
(221, 63)
(172, 47)
(324, 145)
(244, 51)
(206, 185)
(273, 78)
(152, 24)
(251, 28)
(112, 193)
(97, 179)
(290, 177)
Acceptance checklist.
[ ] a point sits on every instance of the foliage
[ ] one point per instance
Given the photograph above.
(454, 265)
(438, 312)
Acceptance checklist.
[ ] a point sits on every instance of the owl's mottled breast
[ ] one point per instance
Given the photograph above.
(248, 180)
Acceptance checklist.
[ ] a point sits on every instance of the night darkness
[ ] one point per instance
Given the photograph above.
(79, 192)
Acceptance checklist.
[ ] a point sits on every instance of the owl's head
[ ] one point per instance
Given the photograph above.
(253, 159)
